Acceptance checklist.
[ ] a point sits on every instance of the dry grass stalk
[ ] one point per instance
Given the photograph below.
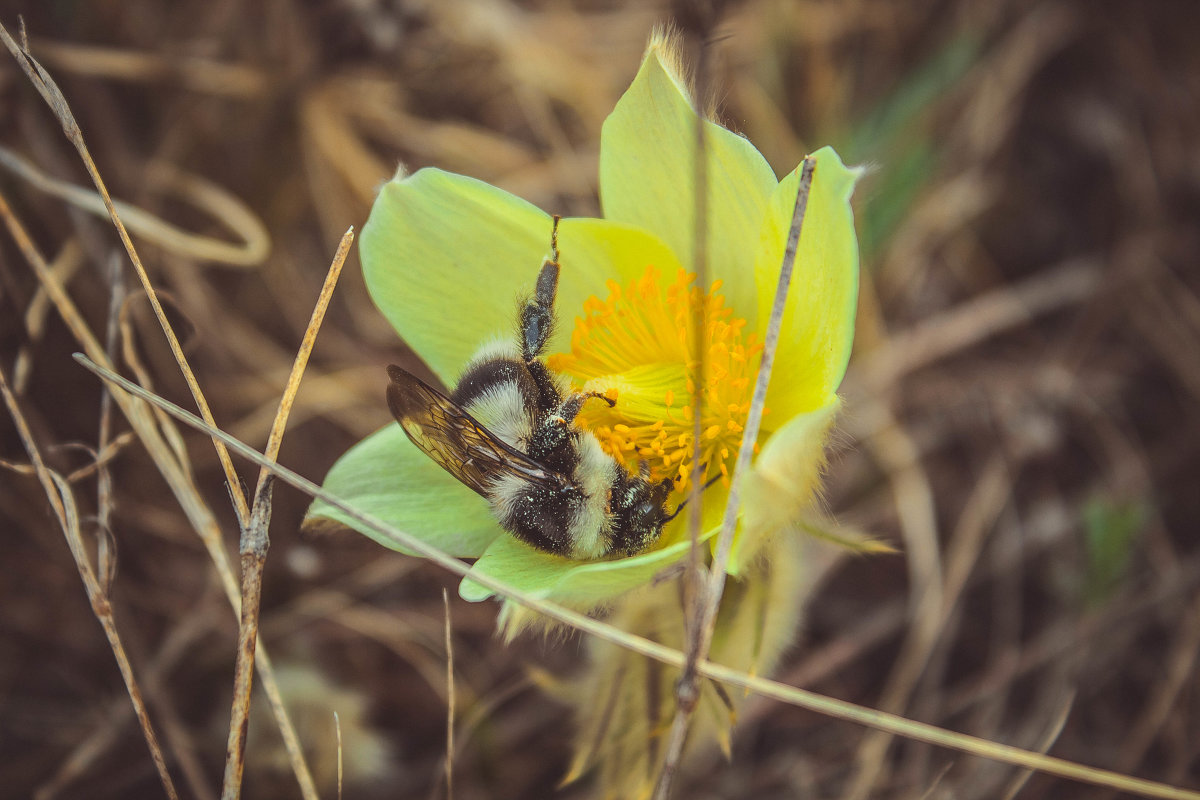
(942, 580)
(168, 459)
(771, 689)
(161, 443)
(111, 723)
(208, 197)
(64, 267)
(449, 701)
(1060, 142)
(54, 98)
(195, 72)
(337, 726)
(61, 498)
(687, 694)
(1180, 670)
(1051, 736)
(977, 320)
(255, 539)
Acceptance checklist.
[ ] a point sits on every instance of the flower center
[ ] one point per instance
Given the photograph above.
(634, 346)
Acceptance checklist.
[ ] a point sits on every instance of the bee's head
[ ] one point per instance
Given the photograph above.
(640, 511)
(651, 511)
(659, 492)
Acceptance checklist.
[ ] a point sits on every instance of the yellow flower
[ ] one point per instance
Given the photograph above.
(445, 256)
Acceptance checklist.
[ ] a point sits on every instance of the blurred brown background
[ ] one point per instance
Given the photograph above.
(1021, 412)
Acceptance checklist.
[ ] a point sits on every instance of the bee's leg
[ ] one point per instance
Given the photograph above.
(537, 316)
(571, 407)
(536, 323)
(554, 429)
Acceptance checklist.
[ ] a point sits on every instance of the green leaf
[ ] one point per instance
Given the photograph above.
(895, 190)
(897, 135)
(1110, 528)
(891, 124)
(386, 476)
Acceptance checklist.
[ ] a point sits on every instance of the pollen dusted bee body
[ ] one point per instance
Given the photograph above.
(507, 431)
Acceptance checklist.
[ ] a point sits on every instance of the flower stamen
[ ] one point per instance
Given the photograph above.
(634, 347)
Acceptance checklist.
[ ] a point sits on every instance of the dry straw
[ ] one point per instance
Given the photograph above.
(968, 324)
(800, 698)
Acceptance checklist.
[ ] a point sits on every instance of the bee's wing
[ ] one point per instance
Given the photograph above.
(455, 440)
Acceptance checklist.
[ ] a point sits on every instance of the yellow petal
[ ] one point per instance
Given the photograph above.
(818, 323)
(781, 485)
(595, 251)
(386, 476)
(445, 257)
(648, 178)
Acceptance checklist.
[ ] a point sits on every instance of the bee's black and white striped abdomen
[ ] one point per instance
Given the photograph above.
(499, 391)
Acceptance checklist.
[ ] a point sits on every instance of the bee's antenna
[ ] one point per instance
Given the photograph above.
(554, 239)
(679, 507)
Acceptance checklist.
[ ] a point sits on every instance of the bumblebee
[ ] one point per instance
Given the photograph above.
(507, 431)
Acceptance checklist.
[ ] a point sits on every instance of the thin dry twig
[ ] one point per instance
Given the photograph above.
(701, 634)
(59, 493)
(767, 688)
(974, 321)
(48, 89)
(98, 458)
(109, 729)
(414, 646)
(255, 539)
(337, 728)
(1180, 670)
(168, 459)
(941, 581)
(104, 497)
(955, 237)
(197, 73)
(449, 701)
(692, 592)
(65, 265)
(250, 252)
(1052, 734)
(54, 98)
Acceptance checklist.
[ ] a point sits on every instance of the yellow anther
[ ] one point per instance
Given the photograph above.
(638, 337)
